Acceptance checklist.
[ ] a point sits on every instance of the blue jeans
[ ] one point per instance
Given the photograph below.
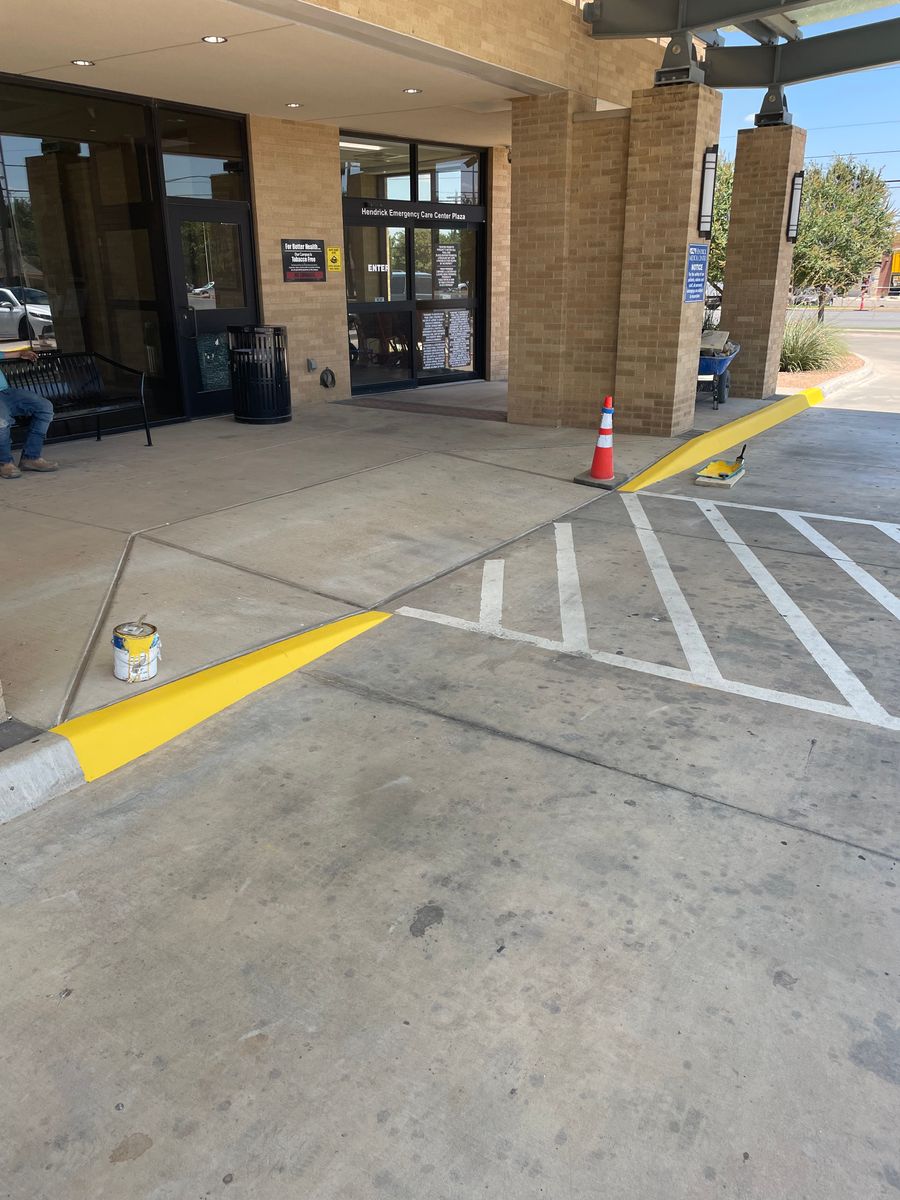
(14, 402)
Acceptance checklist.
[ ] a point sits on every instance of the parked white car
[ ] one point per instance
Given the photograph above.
(24, 313)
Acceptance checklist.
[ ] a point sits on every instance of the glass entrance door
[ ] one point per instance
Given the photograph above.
(380, 306)
(210, 250)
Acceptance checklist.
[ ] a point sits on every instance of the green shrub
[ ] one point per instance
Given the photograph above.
(809, 346)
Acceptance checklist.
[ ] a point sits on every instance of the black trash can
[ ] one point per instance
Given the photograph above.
(260, 385)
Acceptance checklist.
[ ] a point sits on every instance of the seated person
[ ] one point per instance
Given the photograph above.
(16, 402)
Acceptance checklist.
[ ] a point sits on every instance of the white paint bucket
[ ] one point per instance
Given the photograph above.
(136, 651)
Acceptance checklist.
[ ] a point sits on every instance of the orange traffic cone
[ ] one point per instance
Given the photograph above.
(602, 474)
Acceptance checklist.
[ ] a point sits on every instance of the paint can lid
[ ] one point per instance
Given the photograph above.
(135, 629)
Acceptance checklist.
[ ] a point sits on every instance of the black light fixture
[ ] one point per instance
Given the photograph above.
(793, 222)
(707, 191)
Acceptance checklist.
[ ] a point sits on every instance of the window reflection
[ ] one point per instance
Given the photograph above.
(379, 347)
(375, 170)
(203, 155)
(376, 263)
(449, 174)
(77, 241)
(211, 252)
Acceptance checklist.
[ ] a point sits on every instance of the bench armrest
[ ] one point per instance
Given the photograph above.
(121, 367)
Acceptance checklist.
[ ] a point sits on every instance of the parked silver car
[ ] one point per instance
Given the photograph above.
(24, 313)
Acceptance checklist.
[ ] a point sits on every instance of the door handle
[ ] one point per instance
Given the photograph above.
(188, 322)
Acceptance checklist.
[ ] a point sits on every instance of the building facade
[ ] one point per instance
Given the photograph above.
(420, 196)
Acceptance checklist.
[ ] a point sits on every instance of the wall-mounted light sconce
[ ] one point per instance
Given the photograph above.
(793, 223)
(707, 191)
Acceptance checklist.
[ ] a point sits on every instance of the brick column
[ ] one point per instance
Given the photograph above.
(567, 202)
(659, 334)
(538, 267)
(759, 256)
(498, 186)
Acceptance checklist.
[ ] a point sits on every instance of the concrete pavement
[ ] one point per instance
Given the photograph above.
(230, 536)
(452, 913)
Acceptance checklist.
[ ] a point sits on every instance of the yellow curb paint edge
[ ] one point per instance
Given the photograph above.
(110, 737)
(707, 445)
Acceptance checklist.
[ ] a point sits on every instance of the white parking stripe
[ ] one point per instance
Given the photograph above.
(868, 582)
(891, 529)
(693, 643)
(803, 629)
(677, 674)
(492, 594)
(571, 605)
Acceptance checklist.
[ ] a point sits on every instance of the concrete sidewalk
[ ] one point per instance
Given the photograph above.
(230, 536)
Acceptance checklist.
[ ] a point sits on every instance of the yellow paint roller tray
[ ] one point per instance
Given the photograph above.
(722, 473)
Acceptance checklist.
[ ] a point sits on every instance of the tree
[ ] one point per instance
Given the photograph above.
(846, 223)
(721, 213)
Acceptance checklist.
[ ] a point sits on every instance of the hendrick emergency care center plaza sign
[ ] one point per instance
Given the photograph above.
(413, 210)
(303, 260)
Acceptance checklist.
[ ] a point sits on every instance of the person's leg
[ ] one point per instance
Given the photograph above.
(40, 411)
(6, 424)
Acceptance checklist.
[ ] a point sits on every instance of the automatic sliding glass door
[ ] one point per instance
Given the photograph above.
(379, 306)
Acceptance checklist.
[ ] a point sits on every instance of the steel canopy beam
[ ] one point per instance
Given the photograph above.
(856, 49)
(661, 18)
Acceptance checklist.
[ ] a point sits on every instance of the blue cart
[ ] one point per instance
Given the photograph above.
(713, 374)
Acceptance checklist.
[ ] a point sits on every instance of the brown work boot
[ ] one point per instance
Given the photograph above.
(37, 464)
(9, 471)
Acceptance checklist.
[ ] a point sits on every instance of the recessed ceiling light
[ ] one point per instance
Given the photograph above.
(82, 62)
(412, 91)
(359, 146)
(293, 104)
(213, 39)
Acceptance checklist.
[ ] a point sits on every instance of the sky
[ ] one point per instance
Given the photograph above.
(855, 114)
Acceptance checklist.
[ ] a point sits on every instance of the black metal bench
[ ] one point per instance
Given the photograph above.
(76, 387)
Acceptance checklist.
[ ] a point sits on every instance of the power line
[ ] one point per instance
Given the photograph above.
(854, 125)
(850, 154)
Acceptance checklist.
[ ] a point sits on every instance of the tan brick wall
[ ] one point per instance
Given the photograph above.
(498, 195)
(297, 193)
(542, 163)
(659, 335)
(545, 39)
(759, 256)
(596, 227)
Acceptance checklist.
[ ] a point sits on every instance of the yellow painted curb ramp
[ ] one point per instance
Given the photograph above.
(110, 737)
(716, 441)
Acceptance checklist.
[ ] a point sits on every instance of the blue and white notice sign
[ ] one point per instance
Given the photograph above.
(695, 277)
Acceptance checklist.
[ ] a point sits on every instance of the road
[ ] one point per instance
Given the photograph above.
(575, 878)
(882, 319)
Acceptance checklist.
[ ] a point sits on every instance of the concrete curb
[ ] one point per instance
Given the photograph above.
(36, 771)
(715, 441)
(94, 744)
(861, 375)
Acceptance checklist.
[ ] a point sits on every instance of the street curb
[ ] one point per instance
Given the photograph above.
(860, 375)
(92, 745)
(715, 441)
(36, 771)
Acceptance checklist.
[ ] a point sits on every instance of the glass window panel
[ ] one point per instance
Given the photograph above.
(211, 252)
(203, 155)
(379, 347)
(445, 342)
(446, 263)
(449, 174)
(375, 263)
(212, 358)
(78, 239)
(375, 169)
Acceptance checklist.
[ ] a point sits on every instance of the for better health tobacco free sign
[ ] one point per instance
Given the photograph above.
(303, 260)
